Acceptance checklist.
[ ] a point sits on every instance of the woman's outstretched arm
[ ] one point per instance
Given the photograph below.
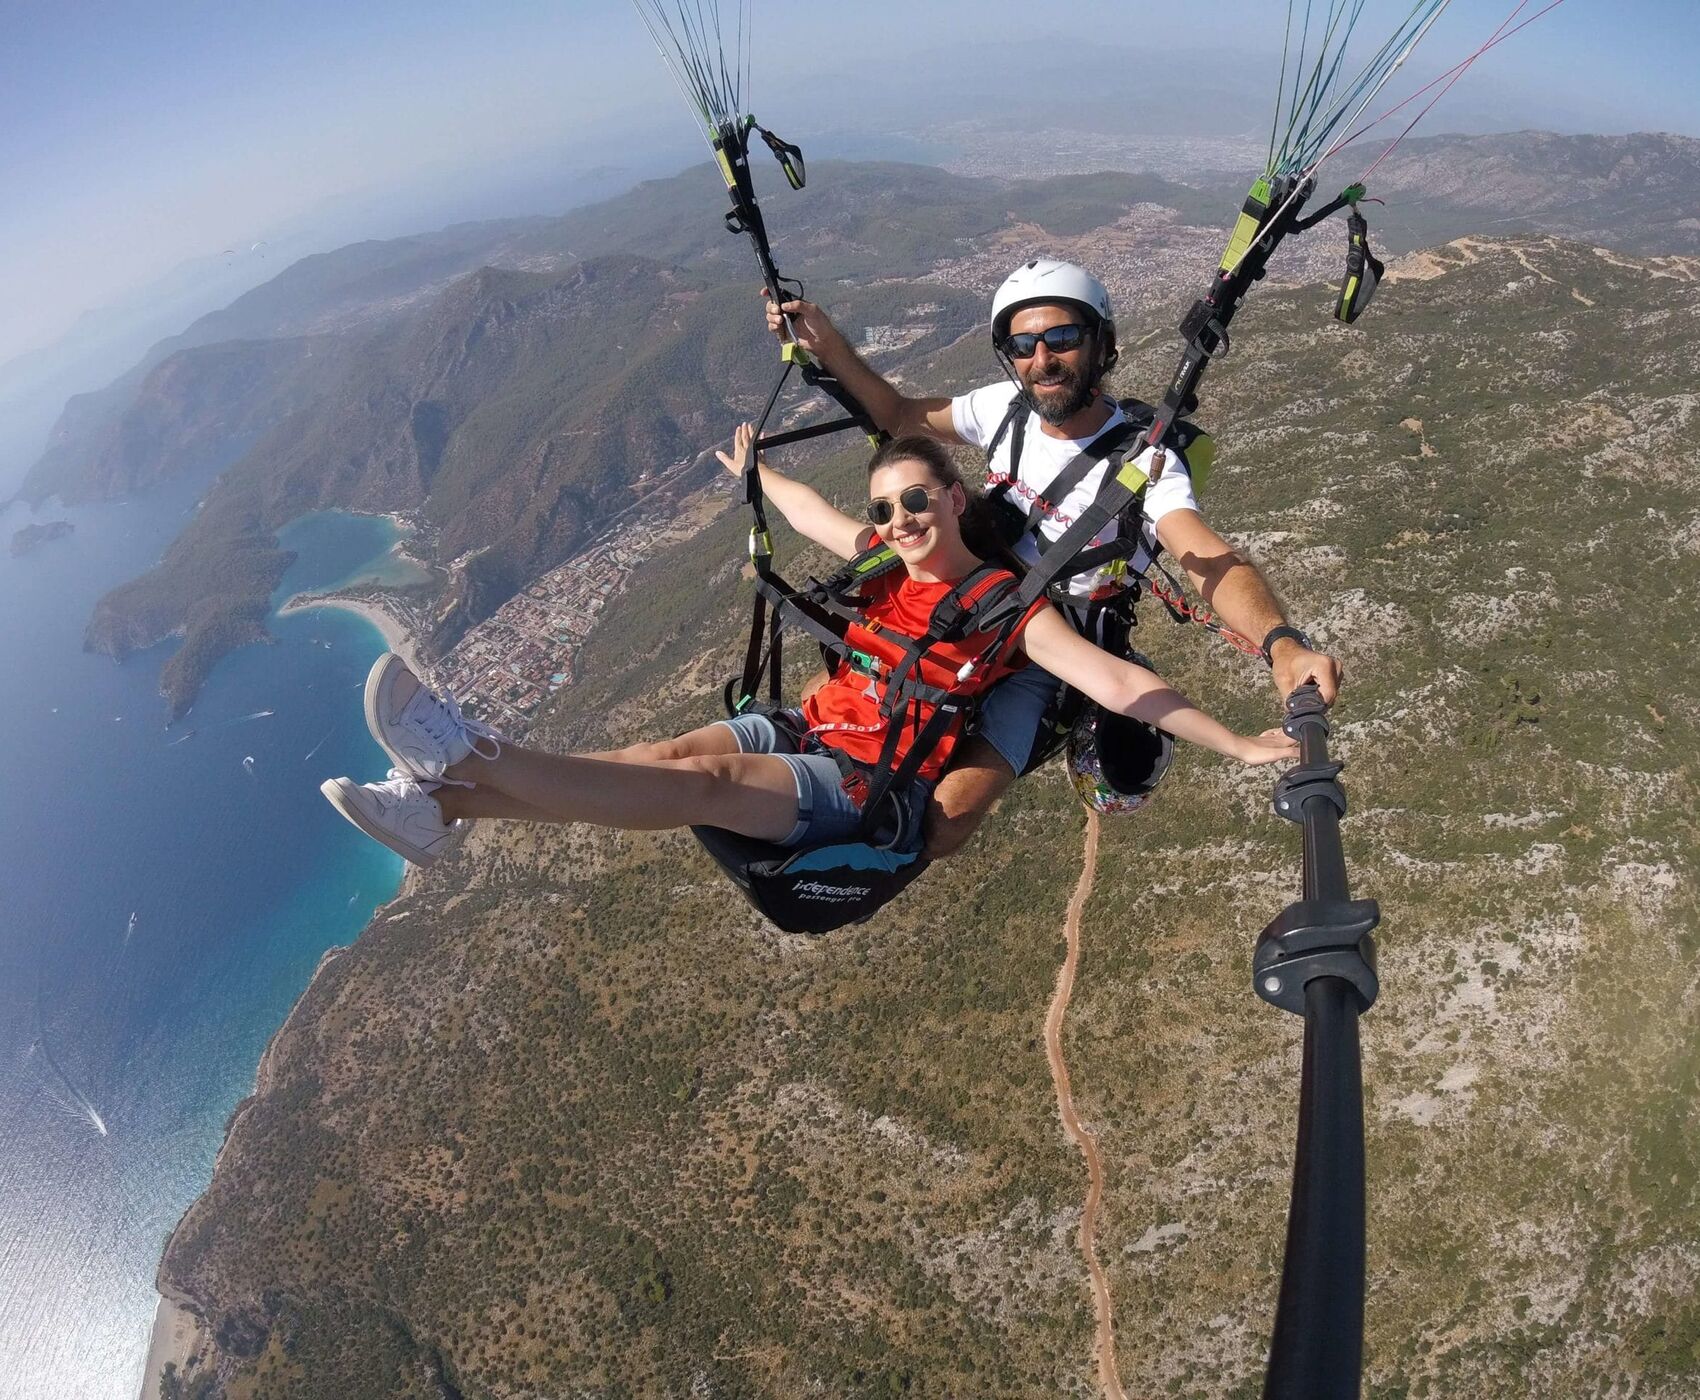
(807, 511)
(1129, 689)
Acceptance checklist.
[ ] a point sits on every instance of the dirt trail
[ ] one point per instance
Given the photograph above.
(1078, 1134)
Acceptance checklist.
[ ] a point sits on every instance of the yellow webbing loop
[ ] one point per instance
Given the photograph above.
(1200, 458)
(1132, 476)
(726, 172)
(1247, 225)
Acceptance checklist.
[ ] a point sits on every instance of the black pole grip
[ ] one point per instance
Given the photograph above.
(1316, 1352)
(1316, 958)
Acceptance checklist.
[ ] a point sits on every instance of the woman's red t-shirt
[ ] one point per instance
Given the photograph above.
(902, 607)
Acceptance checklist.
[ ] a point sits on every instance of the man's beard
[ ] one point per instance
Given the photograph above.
(1065, 396)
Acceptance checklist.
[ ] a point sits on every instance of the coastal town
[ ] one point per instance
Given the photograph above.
(508, 665)
(503, 669)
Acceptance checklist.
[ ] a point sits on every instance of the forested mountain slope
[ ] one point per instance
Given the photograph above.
(568, 1119)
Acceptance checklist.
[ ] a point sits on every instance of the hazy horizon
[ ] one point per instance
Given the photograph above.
(203, 133)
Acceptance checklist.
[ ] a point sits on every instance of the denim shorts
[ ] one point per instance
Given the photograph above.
(824, 810)
(1011, 711)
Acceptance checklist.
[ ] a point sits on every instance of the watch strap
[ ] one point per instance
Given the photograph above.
(1274, 634)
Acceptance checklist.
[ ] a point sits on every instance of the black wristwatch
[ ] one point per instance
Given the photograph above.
(1274, 634)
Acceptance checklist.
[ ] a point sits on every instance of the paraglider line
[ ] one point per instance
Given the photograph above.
(1455, 74)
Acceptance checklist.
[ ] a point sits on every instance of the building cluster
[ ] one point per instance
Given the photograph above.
(504, 668)
(1013, 153)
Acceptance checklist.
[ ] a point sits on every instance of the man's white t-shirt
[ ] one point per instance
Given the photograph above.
(976, 417)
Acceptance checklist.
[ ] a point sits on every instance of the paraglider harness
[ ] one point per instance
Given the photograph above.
(1108, 617)
(815, 888)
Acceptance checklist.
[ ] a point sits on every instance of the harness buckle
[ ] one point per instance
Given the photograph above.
(855, 786)
(761, 543)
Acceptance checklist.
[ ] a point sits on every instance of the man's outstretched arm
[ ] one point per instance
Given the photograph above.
(891, 410)
(1234, 589)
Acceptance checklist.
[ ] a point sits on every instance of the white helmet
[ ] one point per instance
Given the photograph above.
(1047, 280)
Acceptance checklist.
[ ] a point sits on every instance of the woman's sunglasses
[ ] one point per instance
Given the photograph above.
(914, 499)
(1023, 345)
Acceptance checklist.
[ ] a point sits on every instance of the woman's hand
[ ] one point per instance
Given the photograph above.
(734, 464)
(1271, 746)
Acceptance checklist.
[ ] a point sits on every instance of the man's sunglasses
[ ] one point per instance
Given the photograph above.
(1023, 345)
(914, 499)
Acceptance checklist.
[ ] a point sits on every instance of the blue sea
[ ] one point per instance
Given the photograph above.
(164, 898)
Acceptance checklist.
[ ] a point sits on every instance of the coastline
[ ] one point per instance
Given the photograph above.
(178, 1332)
(397, 637)
(176, 1337)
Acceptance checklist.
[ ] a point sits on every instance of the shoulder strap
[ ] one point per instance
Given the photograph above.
(1108, 443)
(876, 561)
(1014, 426)
(961, 611)
(1071, 551)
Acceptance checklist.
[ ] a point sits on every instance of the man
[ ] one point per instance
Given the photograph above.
(1053, 329)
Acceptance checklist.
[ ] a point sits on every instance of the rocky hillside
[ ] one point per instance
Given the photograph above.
(855, 220)
(1634, 193)
(569, 1120)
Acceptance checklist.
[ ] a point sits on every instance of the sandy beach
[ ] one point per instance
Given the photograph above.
(176, 1335)
(396, 636)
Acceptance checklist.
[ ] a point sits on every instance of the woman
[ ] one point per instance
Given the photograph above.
(775, 781)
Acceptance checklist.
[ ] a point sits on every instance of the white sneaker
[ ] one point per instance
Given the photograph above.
(422, 733)
(398, 812)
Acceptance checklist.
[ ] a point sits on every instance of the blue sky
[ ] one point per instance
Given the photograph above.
(135, 136)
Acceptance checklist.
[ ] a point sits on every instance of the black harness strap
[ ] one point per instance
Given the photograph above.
(949, 620)
(1105, 446)
(1014, 426)
(1063, 558)
(889, 779)
(876, 561)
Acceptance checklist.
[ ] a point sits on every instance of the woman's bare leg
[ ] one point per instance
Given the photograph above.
(485, 799)
(699, 778)
(711, 738)
(474, 802)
